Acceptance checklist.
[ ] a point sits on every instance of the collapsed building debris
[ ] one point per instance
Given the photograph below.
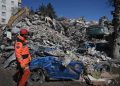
(68, 39)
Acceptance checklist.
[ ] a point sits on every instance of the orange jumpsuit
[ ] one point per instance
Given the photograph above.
(23, 58)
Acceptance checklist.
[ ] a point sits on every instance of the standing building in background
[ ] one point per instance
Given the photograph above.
(19, 3)
(7, 9)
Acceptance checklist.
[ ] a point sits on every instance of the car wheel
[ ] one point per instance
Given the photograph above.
(13, 64)
(106, 68)
(37, 77)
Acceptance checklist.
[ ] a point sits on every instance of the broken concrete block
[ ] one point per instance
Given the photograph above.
(108, 75)
(98, 82)
(9, 35)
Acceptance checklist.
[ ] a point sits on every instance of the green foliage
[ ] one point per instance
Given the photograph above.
(42, 10)
(47, 10)
(32, 11)
(50, 11)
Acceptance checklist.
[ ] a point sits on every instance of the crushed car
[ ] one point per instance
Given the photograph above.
(50, 67)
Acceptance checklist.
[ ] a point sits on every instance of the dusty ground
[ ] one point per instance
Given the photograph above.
(6, 79)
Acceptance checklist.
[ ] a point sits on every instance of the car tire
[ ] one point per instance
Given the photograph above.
(37, 77)
(13, 64)
(105, 67)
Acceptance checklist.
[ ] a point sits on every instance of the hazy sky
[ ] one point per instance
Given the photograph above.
(90, 9)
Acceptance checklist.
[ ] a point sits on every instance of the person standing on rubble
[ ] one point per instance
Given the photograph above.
(23, 56)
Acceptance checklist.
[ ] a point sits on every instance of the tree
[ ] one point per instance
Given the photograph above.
(50, 11)
(47, 10)
(32, 11)
(116, 24)
(42, 10)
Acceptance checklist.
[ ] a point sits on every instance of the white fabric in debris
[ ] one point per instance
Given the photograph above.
(9, 35)
(91, 51)
(68, 58)
(15, 30)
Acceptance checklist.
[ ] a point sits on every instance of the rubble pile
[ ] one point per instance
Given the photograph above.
(43, 34)
(66, 36)
(75, 30)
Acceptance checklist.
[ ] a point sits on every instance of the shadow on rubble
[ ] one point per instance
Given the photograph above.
(16, 77)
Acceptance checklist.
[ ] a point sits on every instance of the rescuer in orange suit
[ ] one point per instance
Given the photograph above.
(23, 56)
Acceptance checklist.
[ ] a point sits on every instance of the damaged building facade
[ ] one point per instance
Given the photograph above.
(7, 9)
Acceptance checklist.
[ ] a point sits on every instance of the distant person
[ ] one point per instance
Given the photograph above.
(23, 56)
